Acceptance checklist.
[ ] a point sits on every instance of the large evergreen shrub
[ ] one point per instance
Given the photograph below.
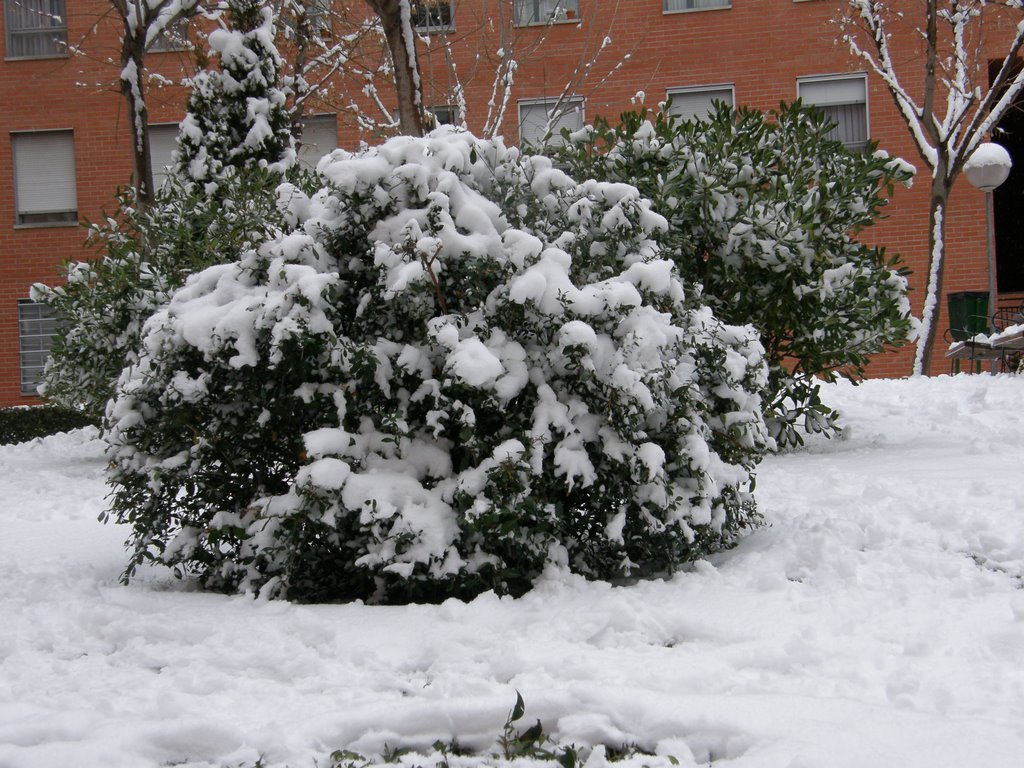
(764, 213)
(459, 365)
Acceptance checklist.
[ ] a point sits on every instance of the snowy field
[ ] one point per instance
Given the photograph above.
(878, 622)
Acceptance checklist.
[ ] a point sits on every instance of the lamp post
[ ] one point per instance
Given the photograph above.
(987, 168)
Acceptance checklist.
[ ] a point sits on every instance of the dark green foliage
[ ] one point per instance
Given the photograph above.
(764, 211)
(142, 256)
(20, 424)
(316, 420)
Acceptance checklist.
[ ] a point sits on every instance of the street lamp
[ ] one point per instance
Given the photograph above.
(987, 168)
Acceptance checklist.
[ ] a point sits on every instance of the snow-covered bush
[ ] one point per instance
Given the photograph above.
(142, 256)
(237, 115)
(764, 211)
(457, 367)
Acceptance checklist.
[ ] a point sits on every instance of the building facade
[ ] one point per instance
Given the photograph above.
(506, 66)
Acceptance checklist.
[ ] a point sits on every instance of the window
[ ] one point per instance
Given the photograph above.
(44, 177)
(445, 114)
(173, 37)
(843, 99)
(543, 11)
(541, 122)
(35, 28)
(36, 327)
(695, 5)
(432, 16)
(163, 141)
(319, 136)
(690, 103)
(317, 13)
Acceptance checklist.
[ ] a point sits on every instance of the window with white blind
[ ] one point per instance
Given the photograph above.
(36, 328)
(541, 122)
(690, 103)
(430, 16)
(44, 177)
(319, 136)
(35, 29)
(695, 5)
(163, 141)
(844, 100)
(543, 11)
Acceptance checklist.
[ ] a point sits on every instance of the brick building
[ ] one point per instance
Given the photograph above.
(64, 137)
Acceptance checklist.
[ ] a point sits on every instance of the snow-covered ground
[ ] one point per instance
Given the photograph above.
(878, 621)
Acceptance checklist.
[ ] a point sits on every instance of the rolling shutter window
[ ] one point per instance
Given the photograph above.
(163, 141)
(698, 102)
(44, 173)
(319, 137)
(534, 117)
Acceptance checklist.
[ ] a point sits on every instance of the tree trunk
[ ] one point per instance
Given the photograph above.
(936, 255)
(401, 40)
(133, 55)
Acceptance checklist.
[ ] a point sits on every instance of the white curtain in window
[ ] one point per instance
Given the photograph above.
(691, 103)
(534, 118)
(844, 101)
(44, 171)
(319, 136)
(695, 5)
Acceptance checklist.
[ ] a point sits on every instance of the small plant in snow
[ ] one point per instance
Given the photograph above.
(763, 213)
(458, 367)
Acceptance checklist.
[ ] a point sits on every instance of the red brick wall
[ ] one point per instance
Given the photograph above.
(759, 46)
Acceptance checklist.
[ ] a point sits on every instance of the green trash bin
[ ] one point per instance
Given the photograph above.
(968, 314)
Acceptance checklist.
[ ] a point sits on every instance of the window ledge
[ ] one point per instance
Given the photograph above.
(38, 58)
(550, 22)
(48, 225)
(696, 10)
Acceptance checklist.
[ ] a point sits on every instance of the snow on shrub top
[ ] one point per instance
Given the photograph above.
(460, 365)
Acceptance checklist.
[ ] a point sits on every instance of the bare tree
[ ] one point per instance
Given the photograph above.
(396, 21)
(496, 44)
(143, 21)
(944, 53)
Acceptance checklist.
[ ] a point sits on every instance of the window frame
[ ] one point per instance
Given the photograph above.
(40, 350)
(554, 17)
(710, 88)
(726, 5)
(838, 77)
(11, 32)
(579, 100)
(430, 28)
(176, 41)
(62, 217)
(452, 111)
